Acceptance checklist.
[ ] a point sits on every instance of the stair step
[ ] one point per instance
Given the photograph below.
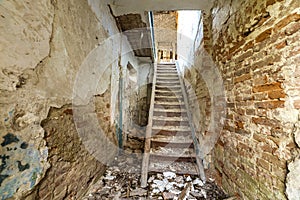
(170, 118)
(162, 81)
(168, 113)
(169, 97)
(168, 90)
(171, 87)
(175, 154)
(184, 141)
(171, 128)
(180, 107)
(175, 110)
(167, 78)
(168, 100)
(168, 103)
(171, 133)
(167, 75)
(170, 123)
(167, 71)
(168, 93)
(166, 84)
(180, 168)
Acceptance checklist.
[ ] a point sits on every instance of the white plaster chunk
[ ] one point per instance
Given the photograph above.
(293, 180)
(169, 175)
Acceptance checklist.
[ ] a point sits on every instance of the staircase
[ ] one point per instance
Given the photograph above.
(170, 143)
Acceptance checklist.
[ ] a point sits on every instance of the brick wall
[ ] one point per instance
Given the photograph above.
(257, 49)
(255, 46)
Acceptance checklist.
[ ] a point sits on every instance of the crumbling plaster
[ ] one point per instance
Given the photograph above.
(43, 45)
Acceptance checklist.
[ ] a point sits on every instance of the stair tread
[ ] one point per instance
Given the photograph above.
(169, 103)
(167, 91)
(181, 168)
(172, 128)
(173, 152)
(170, 118)
(172, 139)
(168, 97)
(180, 110)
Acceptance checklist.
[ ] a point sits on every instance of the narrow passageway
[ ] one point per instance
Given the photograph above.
(143, 99)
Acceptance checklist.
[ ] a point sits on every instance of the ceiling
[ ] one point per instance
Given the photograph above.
(137, 33)
(132, 18)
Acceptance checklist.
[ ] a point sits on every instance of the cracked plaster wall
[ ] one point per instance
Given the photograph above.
(42, 46)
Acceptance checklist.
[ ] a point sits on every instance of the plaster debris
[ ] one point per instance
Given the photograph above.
(122, 181)
(169, 175)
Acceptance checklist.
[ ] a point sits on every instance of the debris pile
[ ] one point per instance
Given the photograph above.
(122, 181)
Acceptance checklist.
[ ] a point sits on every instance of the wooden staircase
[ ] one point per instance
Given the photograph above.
(170, 143)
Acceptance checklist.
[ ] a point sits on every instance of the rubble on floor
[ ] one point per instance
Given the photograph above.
(122, 181)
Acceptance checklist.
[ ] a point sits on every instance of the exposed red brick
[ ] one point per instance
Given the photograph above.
(263, 121)
(264, 35)
(269, 60)
(242, 78)
(245, 55)
(239, 124)
(276, 94)
(279, 172)
(264, 164)
(261, 80)
(269, 104)
(267, 87)
(297, 104)
(292, 28)
(285, 21)
(274, 160)
(281, 45)
(250, 112)
(266, 148)
(248, 45)
(243, 146)
(260, 138)
(270, 2)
